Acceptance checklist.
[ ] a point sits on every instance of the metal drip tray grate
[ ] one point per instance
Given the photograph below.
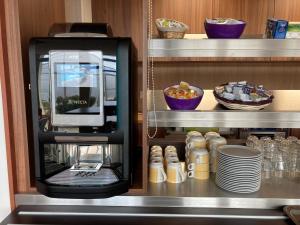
(73, 178)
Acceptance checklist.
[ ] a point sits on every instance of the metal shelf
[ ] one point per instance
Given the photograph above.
(272, 188)
(224, 48)
(273, 194)
(284, 112)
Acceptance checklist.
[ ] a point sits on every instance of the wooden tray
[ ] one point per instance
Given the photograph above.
(293, 212)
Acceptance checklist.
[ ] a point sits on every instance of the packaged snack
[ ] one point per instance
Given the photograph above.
(276, 29)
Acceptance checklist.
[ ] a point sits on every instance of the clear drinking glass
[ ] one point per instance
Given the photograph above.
(292, 138)
(280, 164)
(265, 138)
(250, 141)
(285, 145)
(270, 147)
(294, 159)
(258, 145)
(267, 168)
(279, 136)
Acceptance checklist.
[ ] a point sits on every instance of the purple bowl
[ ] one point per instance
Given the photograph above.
(184, 104)
(224, 30)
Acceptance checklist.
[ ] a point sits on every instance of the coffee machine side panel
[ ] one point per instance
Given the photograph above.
(35, 106)
(124, 109)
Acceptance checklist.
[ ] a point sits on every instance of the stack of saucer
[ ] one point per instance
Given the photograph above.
(238, 169)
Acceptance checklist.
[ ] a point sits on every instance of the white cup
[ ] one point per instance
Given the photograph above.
(171, 154)
(170, 159)
(203, 167)
(156, 151)
(156, 155)
(170, 148)
(214, 144)
(198, 156)
(156, 147)
(192, 134)
(156, 159)
(196, 142)
(211, 134)
(199, 175)
(156, 172)
(175, 174)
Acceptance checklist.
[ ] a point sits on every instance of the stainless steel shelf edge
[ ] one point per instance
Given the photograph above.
(161, 201)
(225, 119)
(224, 48)
(284, 112)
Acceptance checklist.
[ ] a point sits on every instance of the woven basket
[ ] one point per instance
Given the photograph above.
(169, 32)
(243, 105)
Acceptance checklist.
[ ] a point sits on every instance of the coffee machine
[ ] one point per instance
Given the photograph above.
(82, 110)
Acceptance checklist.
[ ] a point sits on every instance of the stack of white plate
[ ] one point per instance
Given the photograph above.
(238, 169)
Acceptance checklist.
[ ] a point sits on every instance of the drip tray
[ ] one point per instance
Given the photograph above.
(73, 178)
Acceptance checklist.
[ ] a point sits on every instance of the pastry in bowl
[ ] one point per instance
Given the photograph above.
(183, 96)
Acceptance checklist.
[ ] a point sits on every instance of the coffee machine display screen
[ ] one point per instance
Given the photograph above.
(77, 75)
(77, 88)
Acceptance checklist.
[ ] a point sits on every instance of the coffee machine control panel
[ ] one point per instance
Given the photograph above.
(77, 88)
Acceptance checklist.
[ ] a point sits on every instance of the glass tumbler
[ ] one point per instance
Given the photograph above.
(270, 147)
(281, 164)
(250, 141)
(294, 159)
(292, 138)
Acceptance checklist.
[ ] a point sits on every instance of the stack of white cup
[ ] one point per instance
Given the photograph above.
(213, 144)
(175, 170)
(197, 157)
(157, 172)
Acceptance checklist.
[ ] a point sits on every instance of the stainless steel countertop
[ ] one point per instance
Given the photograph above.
(199, 194)
(284, 112)
(142, 215)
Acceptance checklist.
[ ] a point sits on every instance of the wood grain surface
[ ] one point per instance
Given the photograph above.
(14, 88)
(7, 107)
(274, 75)
(287, 9)
(125, 18)
(254, 12)
(36, 17)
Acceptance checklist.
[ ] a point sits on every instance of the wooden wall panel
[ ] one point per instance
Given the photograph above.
(36, 17)
(254, 12)
(287, 9)
(78, 11)
(210, 74)
(14, 92)
(7, 107)
(125, 18)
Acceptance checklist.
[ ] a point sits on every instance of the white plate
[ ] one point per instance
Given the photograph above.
(255, 156)
(238, 183)
(220, 154)
(238, 179)
(238, 165)
(238, 176)
(246, 161)
(239, 151)
(238, 170)
(237, 186)
(241, 191)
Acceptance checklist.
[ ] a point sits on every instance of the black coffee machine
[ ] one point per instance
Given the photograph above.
(82, 109)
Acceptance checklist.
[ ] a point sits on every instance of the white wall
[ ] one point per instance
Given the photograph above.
(4, 189)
